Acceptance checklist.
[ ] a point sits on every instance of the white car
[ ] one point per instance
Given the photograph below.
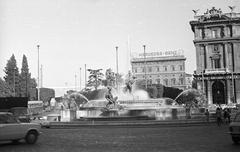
(11, 129)
(234, 128)
(40, 120)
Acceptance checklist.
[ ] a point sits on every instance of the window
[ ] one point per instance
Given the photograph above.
(181, 80)
(158, 69)
(173, 81)
(149, 82)
(180, 67)
(166, 82)
(7, 118)
(143, 69)
(217, 63)
(135, 70)
(165, 68)
(149, 69)
(173, 68)
(214, 33)
(158, 81)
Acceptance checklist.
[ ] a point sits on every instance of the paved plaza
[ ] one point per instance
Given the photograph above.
(208, 138)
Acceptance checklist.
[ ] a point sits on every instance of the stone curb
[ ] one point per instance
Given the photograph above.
(139, 123)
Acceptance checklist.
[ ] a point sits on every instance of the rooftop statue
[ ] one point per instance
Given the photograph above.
(216, 14)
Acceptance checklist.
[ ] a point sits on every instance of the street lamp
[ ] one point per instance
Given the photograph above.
(145, 68)
(38, 46)
(75, 82)
(117, 66)
(80, 79)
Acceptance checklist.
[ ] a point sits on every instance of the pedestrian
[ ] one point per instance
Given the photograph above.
(219, 116)
(228, 116)
(207, 115)
(225, 115)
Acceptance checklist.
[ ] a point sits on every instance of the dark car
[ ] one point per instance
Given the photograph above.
(234, 128)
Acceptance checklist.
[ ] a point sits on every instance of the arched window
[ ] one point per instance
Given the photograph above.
(166, 82)
(173, 81)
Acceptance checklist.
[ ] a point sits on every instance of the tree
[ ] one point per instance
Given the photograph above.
(33, 89)
(12, 75)
(95, 78)
(110, 78)
(25, 78)
(5, 90)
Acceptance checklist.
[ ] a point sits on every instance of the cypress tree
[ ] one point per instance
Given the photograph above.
(12, 76)
(25, 78)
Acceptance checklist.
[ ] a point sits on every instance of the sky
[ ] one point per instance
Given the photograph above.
(72, 33)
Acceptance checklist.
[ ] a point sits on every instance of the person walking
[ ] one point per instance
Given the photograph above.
(219, 116)
(207, 115)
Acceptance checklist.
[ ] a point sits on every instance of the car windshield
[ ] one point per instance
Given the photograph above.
(237, 118)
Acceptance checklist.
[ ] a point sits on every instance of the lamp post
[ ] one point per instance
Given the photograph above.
(117, 67)
(145, 68)
(14, 85)
(85, 76)
(38, 46)
(75, 82)
(80, 79)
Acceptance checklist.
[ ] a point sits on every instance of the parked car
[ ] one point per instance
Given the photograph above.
(11, 129)
(42, 121)
(234, 128)
(53, 117)
(21, 113)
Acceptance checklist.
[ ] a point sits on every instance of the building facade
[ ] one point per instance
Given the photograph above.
(217, 43)
(167, 68)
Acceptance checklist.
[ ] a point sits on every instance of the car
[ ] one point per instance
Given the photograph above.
(21, 113)
(11, 129)
(42, 121)
(234, 128)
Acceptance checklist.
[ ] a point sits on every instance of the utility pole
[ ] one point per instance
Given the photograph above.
(117, 66)
(75, 82)
(145, 68)
(14, 87)
(38, 75)
(85, 75)
(80, 79)
(41, 71)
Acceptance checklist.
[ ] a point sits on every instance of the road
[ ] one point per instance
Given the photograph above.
(208, 138)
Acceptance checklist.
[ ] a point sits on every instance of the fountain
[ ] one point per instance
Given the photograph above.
(131, 104)
(135, 104)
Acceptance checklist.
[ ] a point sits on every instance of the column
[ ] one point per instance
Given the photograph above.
(226, 55)
(208, 61)
(229, 94)
(198, 49)
(209, 93)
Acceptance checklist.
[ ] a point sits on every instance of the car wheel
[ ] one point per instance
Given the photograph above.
(31, 137)
(235, 140)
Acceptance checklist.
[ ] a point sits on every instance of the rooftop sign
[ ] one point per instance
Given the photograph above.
(158, 54)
